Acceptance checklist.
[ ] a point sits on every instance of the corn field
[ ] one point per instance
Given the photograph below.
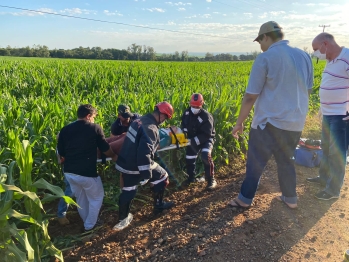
(39, 96)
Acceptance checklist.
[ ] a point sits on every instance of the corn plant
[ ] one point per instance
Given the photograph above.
(24, 234)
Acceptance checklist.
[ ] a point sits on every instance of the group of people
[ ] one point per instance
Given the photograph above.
(78, 141)
(279, 86)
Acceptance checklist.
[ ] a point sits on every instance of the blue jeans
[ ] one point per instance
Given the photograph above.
(334, 146)
(262, 145)
(62, 205)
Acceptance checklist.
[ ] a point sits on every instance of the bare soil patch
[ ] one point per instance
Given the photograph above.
(202, 228)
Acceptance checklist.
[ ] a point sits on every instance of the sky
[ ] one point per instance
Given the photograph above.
(216, 26)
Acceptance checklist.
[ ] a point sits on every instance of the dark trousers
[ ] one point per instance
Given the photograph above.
(192, 152)
(262, 145)
(158, 181)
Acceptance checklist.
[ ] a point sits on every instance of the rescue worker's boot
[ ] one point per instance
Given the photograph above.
(211, 183)
(190, 180)
(159, 204)
(125, 217)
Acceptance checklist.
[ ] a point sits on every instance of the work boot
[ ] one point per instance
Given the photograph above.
(211, 183)
(159, 204)
(190, 180)
(63, 221)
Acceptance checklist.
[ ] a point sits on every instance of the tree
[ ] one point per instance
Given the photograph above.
(209, 56)
(185, 55)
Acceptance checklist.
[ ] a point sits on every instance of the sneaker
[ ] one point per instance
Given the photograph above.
(63, 221)
(322, 195)
(212, 185)
(123, 223)
(98, 224)
(201, 179)
(317, 180)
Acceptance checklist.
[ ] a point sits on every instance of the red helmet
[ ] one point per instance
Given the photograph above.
(165, 108)
(197, 100)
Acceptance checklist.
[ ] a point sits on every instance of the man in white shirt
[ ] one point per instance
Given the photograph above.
(334, 104)
(278, 88)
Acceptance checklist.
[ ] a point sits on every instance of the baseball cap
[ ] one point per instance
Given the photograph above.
(124, 111)
(267, 27)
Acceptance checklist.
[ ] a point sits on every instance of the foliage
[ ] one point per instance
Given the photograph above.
(23, 226)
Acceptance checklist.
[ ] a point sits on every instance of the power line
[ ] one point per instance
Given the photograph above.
(112, 22)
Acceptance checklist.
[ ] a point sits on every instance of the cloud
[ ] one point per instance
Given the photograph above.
(190, 17)
(206, 16)
(155, 9)
(248, 15)
(29, 13)
(108, 13)
(177, 4)
(77, 11)
(181, 9)
(209, 1)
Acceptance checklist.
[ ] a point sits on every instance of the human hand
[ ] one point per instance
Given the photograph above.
(237, 129)
(115, 157)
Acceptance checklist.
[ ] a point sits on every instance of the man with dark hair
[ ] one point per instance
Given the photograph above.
(77, 145)
(125, 118)
(136, 163)
(198, 124)
(279, 86)
(334, 107)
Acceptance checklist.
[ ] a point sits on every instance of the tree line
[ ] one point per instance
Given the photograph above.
(133, 52)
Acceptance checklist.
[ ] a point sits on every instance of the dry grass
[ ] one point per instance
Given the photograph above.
(312, 127)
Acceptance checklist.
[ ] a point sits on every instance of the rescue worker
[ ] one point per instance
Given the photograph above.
(198, 124)
(125, 118)
(137, 166)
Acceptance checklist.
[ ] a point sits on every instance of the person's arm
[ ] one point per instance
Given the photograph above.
(103, 145)
(183, 123)
(110, 153)
(205, 132)
(310, 77)
(146, 150)
(60, 145)
(246, 106)
(255, 86)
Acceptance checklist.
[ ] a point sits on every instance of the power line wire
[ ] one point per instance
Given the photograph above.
(112, 22)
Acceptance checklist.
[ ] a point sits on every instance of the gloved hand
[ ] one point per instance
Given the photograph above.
(143, 182)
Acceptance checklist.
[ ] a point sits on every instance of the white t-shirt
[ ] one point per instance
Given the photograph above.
(334, 88)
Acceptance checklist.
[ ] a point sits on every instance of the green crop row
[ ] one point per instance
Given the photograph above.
(39, 96)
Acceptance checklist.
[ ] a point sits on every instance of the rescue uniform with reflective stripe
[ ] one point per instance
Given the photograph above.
(201, 132)
(136, 162)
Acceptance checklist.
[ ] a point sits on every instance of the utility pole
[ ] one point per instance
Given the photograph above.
(323, 27)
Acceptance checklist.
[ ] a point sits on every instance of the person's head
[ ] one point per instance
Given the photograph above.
(196, 103)
(325, 47)
(124, 113)
(87, 112)
(269, 33)
(163, 111)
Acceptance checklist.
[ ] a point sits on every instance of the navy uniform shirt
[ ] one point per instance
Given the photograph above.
(117, 128)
